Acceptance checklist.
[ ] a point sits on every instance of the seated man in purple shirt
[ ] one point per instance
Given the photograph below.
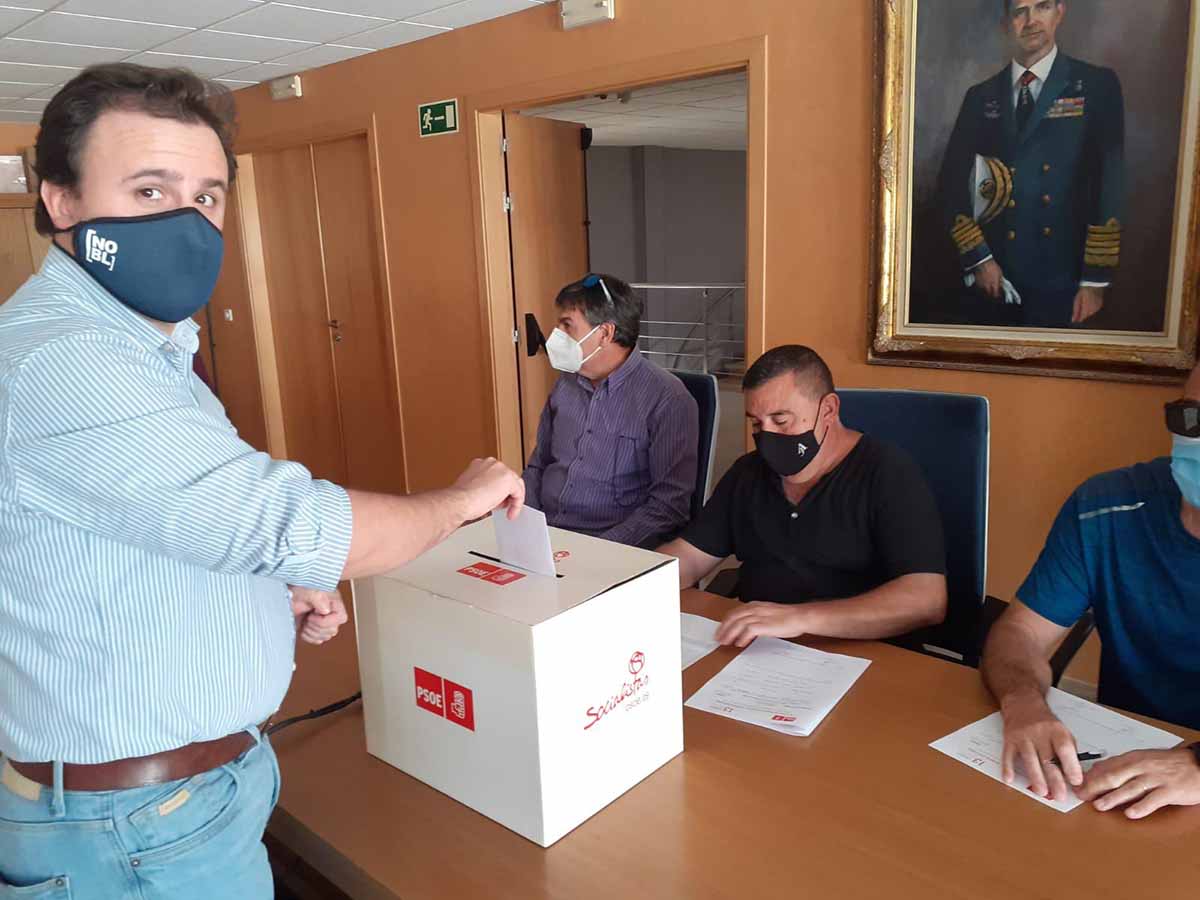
(617, 441)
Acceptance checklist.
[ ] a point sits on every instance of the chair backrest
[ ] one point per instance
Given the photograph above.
(948, 437)
(704, 389)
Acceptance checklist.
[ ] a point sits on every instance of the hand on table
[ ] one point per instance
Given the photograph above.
(1045, 747)
(1146, 779)
(751, 620)
(319, 614)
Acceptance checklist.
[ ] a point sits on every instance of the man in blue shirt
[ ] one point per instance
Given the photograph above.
(1126, 545)
(145, 549)
(618, 438)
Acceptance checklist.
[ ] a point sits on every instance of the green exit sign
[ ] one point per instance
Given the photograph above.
(438, 118)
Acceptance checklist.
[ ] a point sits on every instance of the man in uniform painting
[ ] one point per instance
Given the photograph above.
(1031, 185)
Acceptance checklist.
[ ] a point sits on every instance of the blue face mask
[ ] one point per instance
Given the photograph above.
(1185, 466)
(164, 265)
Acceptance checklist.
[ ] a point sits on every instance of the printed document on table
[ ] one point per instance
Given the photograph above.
(698, 635)
(1096, 729)
(780, 685)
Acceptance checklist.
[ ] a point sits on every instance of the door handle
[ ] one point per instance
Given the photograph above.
(534, 339)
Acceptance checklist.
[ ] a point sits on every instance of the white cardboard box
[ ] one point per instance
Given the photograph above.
(535, 701)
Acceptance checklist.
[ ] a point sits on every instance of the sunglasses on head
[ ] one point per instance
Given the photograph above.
(1183, 418)
(590, 281)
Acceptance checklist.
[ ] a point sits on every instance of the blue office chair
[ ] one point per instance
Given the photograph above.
(704, 389)
(948, 436)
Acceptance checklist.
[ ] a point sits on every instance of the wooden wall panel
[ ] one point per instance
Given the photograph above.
(287, 205)
(234, 338)
(370, 409)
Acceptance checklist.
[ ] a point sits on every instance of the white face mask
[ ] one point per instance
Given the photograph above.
(566, 353)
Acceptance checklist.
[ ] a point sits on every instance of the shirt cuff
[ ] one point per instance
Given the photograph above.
(320, 544)
(1095, 283)
(975, 266)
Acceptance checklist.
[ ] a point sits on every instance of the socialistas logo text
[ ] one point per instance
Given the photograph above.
(633, 691)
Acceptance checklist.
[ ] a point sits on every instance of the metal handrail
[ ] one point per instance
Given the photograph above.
(694, 324)
(673, 357)
(719, 286)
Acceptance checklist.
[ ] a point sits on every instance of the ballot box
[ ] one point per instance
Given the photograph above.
(535, 700)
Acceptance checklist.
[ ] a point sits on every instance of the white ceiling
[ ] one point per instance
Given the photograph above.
(701, 113)
(44, 43)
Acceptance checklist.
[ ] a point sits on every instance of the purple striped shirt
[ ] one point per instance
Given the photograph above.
(617, 461)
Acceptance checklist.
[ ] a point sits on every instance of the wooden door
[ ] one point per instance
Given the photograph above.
(229, 327)
(547, 182)
(291, 239)
(362, 350)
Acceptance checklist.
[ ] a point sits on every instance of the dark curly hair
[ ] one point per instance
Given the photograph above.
(166, 93)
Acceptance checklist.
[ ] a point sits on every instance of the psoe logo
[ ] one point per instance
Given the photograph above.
(101, 250)
(632, 691)
(444, 698)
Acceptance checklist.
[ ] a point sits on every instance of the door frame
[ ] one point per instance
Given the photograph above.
(483, 113)
(260, 301)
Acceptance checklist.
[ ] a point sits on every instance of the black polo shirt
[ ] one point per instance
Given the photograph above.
(870, 520)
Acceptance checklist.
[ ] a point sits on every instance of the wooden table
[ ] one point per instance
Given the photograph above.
(863, 808)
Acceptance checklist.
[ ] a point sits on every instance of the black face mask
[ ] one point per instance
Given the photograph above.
(788, 454)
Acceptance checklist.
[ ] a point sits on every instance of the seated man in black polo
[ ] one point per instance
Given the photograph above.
(837, 532)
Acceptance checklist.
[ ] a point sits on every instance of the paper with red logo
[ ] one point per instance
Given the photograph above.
(1096, 730)
(780, 685)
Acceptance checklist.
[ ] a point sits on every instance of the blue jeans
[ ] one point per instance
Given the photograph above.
(198, 838)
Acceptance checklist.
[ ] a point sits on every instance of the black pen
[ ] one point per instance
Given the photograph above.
(1082, 757)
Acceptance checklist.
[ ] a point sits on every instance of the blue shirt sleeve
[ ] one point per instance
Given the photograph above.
(1058, 587)
(141, 464)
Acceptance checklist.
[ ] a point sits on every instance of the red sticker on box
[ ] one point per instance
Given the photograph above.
(460, 705)
(430, 695)
(492, 574)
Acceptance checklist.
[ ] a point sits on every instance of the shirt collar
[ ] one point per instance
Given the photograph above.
(61, 268)
(1041, 68)
(632, 363)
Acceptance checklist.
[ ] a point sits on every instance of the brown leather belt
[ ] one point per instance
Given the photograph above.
(171, 765)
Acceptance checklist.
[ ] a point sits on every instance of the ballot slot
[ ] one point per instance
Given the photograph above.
(499, 561)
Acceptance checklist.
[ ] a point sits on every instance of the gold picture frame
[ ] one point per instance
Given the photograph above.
(898, 337)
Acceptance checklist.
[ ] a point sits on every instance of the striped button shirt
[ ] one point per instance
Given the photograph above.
(617, 461)
(145, 549)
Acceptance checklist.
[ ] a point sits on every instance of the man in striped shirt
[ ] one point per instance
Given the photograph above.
(618, 439)
(145, 550)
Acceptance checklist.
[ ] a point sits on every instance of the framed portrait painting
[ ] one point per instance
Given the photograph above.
(1035, 206)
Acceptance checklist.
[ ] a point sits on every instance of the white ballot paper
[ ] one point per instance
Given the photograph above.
(780, 685)
(1096, 730)
(697, 634)
(524, 542)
